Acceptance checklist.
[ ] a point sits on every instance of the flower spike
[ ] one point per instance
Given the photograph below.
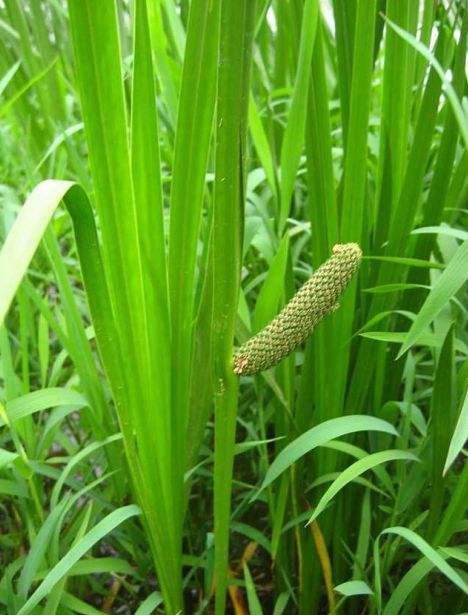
(296, 321)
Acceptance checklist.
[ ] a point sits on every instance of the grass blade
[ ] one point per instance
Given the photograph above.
(356, 469)
(448, 87)
(329, 430)
(449, 282)
(254, 603)
(354, 588)
(431, 554)
(459, 436)
(98, 532)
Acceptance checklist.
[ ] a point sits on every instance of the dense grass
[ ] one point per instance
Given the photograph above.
(206, 157)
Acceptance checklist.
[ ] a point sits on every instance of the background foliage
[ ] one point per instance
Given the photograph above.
(206, 157)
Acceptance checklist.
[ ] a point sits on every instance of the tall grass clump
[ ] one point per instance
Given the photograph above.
(233, 271)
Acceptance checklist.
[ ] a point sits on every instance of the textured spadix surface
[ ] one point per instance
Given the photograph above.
(314, 300)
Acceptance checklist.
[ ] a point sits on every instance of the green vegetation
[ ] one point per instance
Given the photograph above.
(207, 156)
